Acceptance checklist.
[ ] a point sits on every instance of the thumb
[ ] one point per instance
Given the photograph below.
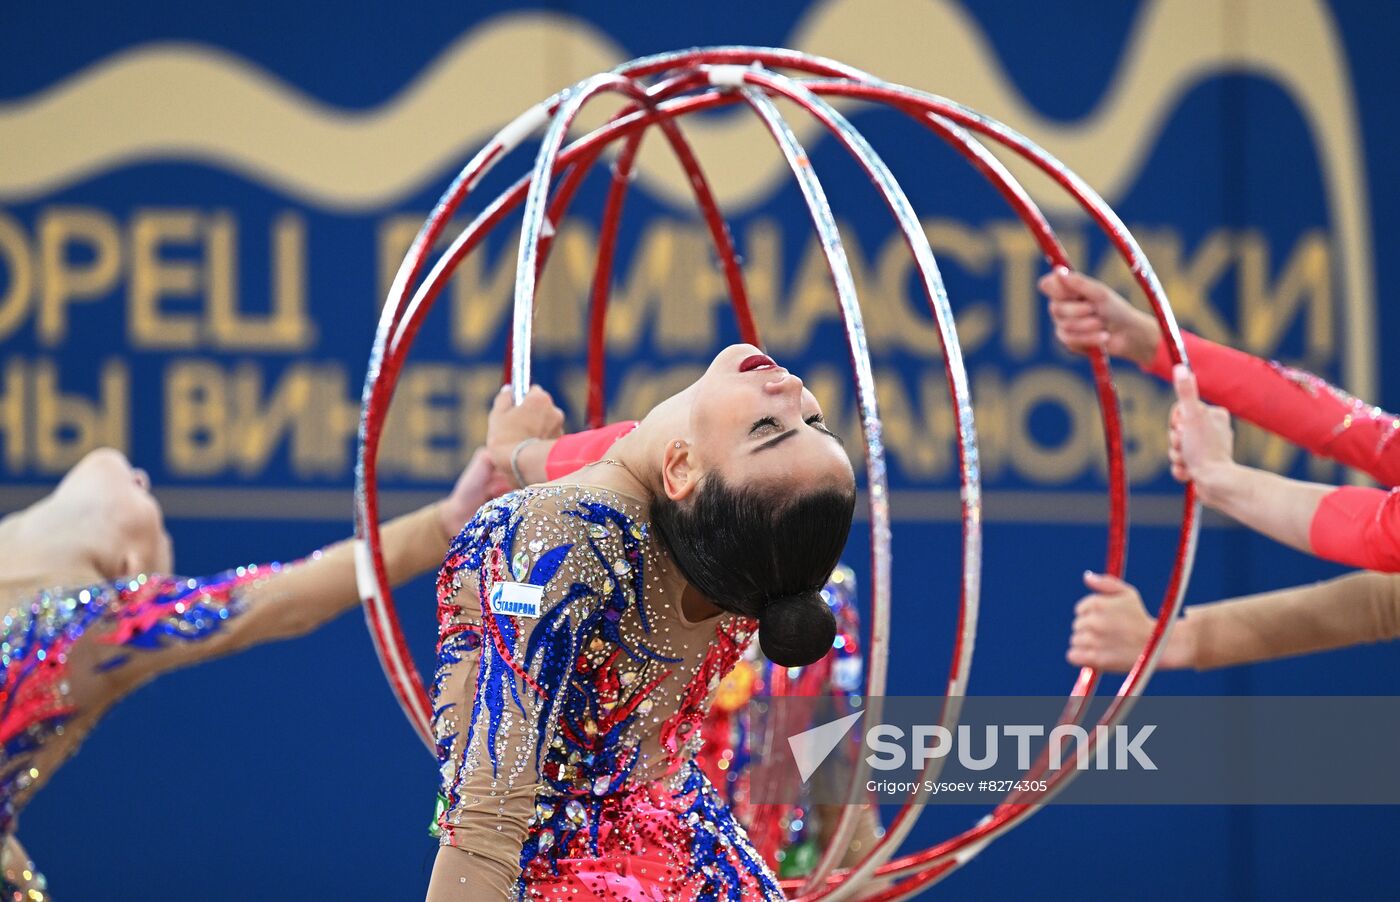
(1186, 389)
(1103, 583)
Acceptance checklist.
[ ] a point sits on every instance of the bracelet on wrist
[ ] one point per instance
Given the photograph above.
(515, 461)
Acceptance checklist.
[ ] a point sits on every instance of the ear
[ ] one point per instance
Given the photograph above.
(679, 475)
(131, 564)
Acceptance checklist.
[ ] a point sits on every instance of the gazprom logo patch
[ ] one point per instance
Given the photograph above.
(516, 599)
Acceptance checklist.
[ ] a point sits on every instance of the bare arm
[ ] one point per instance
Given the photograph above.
(1201, 449)
(154, 635)
(1279, 507)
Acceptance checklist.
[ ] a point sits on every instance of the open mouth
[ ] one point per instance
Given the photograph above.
(757, 362)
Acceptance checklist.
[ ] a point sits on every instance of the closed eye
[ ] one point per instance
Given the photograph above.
(817, 421)
(763, 422)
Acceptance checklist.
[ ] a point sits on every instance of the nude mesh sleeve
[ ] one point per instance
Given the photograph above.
(493, 753)
(276, 602)
(1351, 610)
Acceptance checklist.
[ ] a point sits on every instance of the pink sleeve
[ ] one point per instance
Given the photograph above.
(1293, 404)
(581, 448)
(1359, 527)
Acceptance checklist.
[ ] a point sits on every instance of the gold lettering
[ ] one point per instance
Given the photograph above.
(63, 280)
(68, 426)
(19, 263)
(286, 326)
(1021, 264)
(13, 402)
(196, 409)
(154, 278)
(1044, 385)
(1304, 288)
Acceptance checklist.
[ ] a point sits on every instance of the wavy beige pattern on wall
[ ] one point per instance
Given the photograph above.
(194, 103)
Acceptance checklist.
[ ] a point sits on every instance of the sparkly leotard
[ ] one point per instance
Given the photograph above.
(67, 655)
(64, 657)
(783, 834)
(567, 740)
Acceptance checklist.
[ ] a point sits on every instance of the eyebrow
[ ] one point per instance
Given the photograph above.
(775, 440)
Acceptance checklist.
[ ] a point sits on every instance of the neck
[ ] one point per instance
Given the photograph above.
(641, 452)
(32, 561)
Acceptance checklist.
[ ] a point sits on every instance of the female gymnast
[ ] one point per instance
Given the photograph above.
(91, 615)
(1351, 525)
(585, 622)
(789, 837)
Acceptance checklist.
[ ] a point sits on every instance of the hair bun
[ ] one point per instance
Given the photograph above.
(796, 630)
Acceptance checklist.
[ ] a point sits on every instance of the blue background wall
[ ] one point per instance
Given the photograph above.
(287, 772)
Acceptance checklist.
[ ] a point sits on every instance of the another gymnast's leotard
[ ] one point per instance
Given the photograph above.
(1353, 525)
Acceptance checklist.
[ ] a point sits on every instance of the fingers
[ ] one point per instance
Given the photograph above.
(505, 398)
(1086, 646)
(1104, 633)
(1104, 583)
(1050, 284)
(1076, 308)
(1186, 389)
(1084, 286)
(1071, 310)
(1057, 284)
(1062, 284)
(1079, 325)
(499, 484)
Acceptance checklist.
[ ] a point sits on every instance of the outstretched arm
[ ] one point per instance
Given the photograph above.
(183, 622)
(1111, 625)
(1296, 405)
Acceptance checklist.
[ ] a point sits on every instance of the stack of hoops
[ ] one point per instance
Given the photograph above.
(660, 91)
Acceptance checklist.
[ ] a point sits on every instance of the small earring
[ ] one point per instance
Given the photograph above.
(680, 444)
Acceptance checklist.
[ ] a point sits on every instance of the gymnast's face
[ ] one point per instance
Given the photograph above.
(751, 421)
(115, 520)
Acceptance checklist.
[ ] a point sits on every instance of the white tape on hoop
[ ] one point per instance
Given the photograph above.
(728, 76)
(524, 125)
(364, 571)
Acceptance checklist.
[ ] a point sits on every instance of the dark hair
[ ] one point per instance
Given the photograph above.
(762, 556)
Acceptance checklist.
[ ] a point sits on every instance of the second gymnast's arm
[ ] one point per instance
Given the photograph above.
(1356, 609)
(1111, 624)
(1300, 407)
(299, 597)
